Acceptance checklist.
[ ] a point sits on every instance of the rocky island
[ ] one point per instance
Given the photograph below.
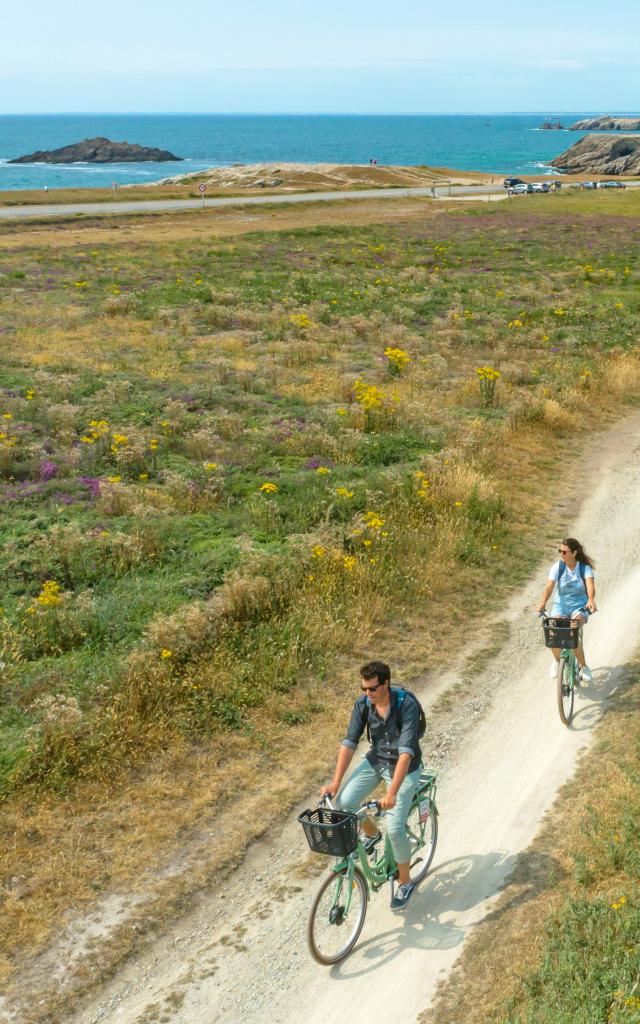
(97, 151)
(606, 123)
(601, 155)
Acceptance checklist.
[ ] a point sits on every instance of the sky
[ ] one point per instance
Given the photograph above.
(350, 56)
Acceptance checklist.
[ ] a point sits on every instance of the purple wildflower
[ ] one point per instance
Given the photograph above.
(92, 484)
(48, 469)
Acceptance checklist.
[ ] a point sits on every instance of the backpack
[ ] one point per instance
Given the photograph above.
(563, 566)
(401, 694)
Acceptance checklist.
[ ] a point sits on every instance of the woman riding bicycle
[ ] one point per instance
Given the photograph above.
(575, 597)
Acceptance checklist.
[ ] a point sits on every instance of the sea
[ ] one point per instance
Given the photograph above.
(496, 143)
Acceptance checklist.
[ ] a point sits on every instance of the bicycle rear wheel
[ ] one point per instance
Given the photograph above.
(333, 931)
(423, 836)
(565, 690)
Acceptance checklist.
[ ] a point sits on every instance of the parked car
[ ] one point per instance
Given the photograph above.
(540, 186)
(610, 184)
(519, 190)
(588, 184)
(510, 182)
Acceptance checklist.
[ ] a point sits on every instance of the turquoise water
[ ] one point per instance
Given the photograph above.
(504, 144)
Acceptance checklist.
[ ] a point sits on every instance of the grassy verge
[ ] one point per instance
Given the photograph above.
(227, 465)
(563, 947)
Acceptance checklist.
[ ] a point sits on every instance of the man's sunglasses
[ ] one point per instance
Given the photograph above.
(371, 689)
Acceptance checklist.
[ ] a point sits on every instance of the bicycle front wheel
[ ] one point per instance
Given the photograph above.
(335, 922)
(565, 690)
(423, 836)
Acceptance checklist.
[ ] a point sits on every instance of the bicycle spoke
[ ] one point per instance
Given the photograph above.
(565, 690)
(337, 917)
(423, 836)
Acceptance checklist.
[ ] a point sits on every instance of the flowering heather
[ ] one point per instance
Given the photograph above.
(48, 469)
(92, 484)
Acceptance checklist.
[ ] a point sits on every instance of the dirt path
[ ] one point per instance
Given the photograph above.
(241, 957)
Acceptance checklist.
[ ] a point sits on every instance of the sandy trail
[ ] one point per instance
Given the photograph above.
(241, 957)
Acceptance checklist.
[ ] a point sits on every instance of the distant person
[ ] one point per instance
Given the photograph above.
(575, 597)
(46, 188)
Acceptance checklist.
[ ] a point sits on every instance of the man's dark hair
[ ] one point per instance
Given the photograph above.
(377, 670)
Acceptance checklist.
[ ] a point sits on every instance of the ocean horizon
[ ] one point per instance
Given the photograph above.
(494, 143)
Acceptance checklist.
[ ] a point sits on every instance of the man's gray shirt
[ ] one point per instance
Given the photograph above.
(397, 734)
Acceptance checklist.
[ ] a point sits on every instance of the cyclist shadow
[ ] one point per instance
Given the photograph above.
(592, 697)
(452, 890)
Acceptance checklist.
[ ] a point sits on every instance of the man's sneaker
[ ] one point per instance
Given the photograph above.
(585, 675)
(402, 896)
(553, 668)
(370, 841)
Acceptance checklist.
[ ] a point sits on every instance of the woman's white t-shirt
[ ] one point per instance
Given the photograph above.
(570, 575)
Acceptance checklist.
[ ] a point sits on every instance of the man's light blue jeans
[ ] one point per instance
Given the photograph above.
(362, 783)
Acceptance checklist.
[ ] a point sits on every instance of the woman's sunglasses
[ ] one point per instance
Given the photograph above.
(564, 551)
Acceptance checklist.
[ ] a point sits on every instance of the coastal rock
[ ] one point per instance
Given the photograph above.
(601, 154)
(97, 151)
(606, 123)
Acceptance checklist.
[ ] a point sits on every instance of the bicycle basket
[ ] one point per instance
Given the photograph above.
(328, 831)
(559, 632)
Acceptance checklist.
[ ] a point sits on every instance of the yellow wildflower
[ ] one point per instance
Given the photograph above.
(166, 653)
(269, 488)
(397, 359)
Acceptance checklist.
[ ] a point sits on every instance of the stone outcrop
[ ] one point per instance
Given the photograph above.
(607, 123)
(602, 155)
(98, 151)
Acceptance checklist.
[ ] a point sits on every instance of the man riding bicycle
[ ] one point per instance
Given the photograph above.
(394, 721)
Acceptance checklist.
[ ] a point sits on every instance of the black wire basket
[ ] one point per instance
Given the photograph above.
(329, 831)
(562, 632)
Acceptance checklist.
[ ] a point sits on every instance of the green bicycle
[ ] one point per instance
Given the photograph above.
(564, 633)
(340, 906)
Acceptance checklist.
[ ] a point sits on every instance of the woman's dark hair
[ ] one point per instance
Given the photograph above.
(578, 550)
(376, 670)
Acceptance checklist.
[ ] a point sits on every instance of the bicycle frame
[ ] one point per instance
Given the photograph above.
(385, 868)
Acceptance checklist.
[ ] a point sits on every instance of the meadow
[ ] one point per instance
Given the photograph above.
(229, 465)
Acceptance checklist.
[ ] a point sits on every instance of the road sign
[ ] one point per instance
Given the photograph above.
(202, 187)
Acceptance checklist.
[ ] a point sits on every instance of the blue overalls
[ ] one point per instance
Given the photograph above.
(570, 593)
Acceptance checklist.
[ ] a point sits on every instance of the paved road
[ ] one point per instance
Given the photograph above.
(160, 205)
(485, 192)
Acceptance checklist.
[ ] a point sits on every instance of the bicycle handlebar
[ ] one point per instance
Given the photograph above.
(371, 805)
